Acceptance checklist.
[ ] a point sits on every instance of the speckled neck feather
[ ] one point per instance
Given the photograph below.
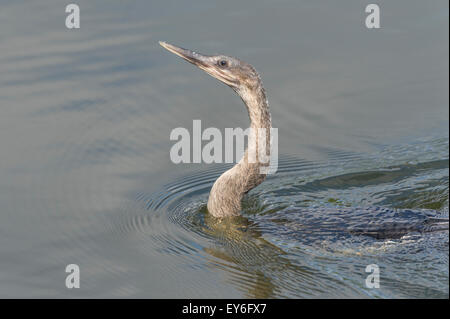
(229, 189)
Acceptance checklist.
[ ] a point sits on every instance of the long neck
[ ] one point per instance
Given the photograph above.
(228, 190)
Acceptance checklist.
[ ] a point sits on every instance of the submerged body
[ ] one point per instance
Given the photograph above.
(333, 223)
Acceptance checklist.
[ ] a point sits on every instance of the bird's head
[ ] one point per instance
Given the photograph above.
(231, 71)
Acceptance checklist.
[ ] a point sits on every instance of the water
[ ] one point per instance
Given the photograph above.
(86, 177)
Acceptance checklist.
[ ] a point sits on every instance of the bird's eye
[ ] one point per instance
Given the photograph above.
(223, 63)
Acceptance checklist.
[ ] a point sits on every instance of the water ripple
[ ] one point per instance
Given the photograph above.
(301, 225)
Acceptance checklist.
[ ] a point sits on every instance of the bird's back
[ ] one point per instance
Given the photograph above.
(376, 222)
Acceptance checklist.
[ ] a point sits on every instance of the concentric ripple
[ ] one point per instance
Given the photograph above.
(311, 229)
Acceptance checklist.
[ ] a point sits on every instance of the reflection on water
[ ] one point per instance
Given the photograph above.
(85, 120)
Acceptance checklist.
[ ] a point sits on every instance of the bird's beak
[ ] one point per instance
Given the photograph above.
(205, 62)
(188, 55)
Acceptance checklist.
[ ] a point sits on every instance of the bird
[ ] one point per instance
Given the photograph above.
(227, 192)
